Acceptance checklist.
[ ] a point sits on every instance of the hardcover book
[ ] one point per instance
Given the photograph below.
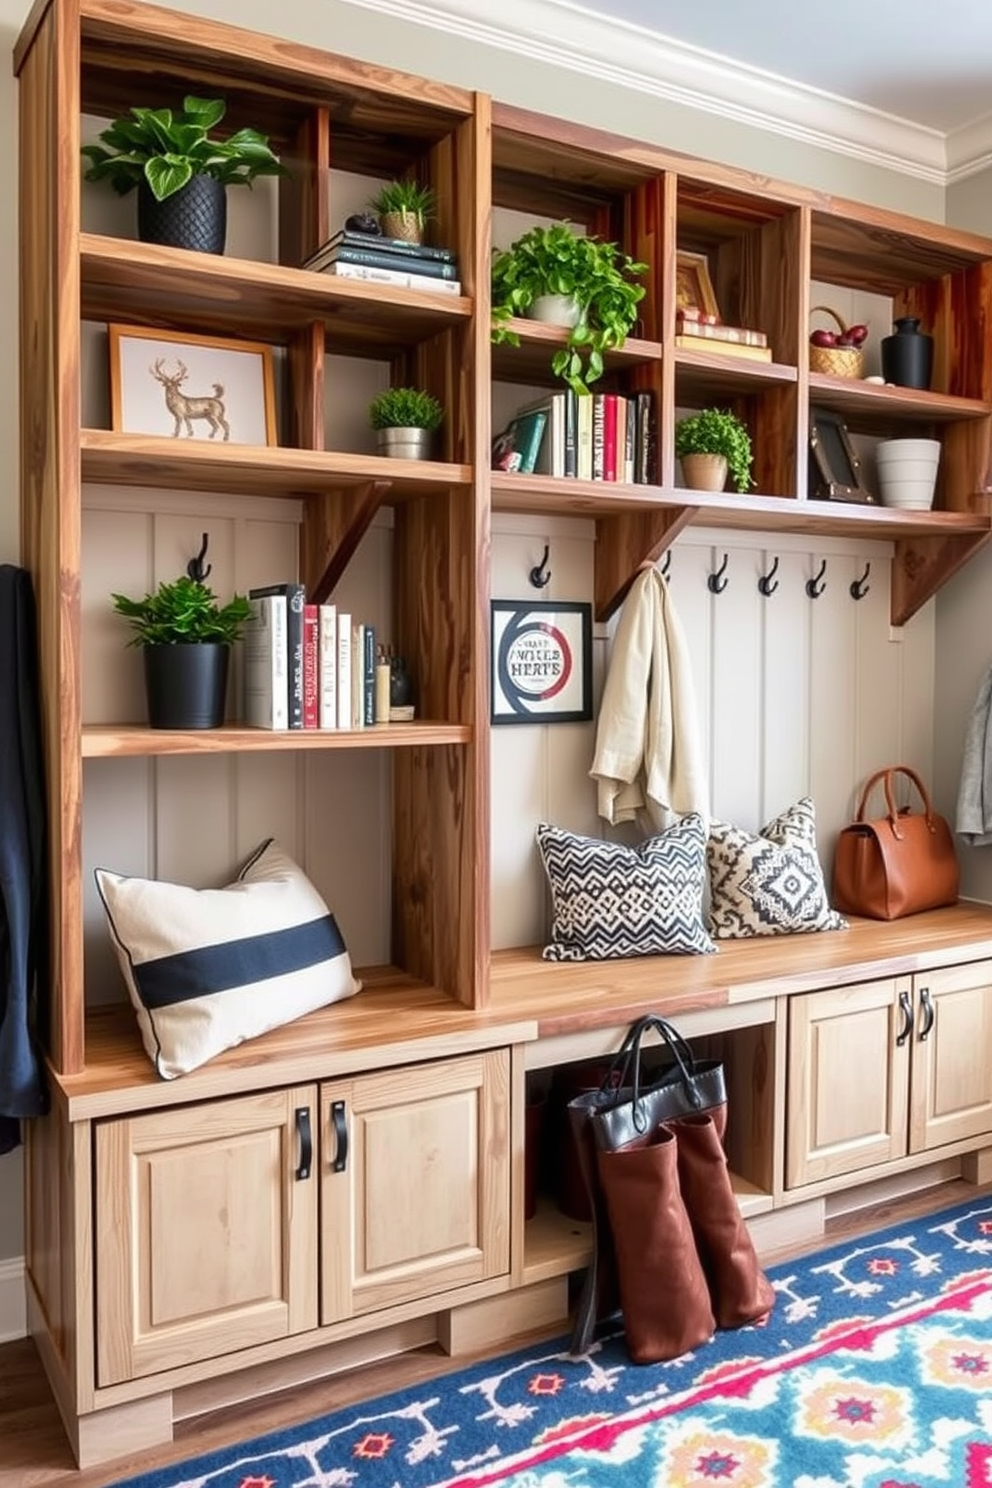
(382, 258)
(295, 596)
(266, 695)
(395, 277)
(723, 348)
(372, 243)
(344, 669)
(328, 666)
(311, 651)
(519, 445)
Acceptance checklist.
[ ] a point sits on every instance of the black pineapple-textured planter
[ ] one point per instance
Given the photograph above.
(194, 217)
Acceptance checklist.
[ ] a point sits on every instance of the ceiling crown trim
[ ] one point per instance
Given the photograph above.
(566, 35)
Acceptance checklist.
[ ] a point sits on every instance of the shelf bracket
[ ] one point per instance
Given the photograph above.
(922, 564)
(334, 523)
(625, 542)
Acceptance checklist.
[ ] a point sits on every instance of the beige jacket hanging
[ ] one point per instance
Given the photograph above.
(648, 759)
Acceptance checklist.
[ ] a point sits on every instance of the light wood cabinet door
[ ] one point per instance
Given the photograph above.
(206, 1231)
(951, 1077)
(415, 1182)
(848, 1085)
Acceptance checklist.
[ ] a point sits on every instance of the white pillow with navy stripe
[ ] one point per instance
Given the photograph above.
(208, 968)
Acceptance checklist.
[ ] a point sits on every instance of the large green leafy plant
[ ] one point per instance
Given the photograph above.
(716, 431)
(598, 275)
(185, 612)
(166, 149)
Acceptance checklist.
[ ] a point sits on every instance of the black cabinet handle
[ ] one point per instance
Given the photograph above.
(928, 1012)
(340, 1122)
(907, 1013)
(306, 1142)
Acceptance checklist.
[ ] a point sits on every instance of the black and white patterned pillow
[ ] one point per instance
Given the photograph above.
(770, 884)
(609, 900)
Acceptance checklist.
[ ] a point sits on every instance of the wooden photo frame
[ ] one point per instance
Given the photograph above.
(183, 386)
(541, 661)
(834, 467)
(693, 286)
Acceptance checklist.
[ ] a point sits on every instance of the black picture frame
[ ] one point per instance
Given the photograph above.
(540, 661)
(834, 467)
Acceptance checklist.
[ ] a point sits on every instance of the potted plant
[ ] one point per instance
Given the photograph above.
(186, 636)
(711, 444)
(180, 171)
(404, 419)
(404, 209)
(592, 282)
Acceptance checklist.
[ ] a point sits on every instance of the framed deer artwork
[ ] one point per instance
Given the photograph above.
(183, 386)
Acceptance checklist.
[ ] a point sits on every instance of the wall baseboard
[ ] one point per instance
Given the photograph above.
(13, 1310)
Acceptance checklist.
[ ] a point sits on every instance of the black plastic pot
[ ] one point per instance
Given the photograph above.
(195, 216)
(186, 685)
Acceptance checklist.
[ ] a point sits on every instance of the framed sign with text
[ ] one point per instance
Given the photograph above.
(541, 661)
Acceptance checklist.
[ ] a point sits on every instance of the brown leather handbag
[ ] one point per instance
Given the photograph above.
(897, 864)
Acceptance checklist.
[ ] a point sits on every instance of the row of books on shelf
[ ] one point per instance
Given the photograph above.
(377, 260)
(602, 436)
(309, 666)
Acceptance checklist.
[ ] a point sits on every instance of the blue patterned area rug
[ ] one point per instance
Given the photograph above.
(873, 1371)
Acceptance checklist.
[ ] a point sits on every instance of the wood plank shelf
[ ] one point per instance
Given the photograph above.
(114, 741)
(854, 397)
(144, 284)
(257, 470)
(531, 360)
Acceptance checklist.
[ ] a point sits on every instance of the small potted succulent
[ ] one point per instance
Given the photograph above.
(404, 209)
(712, 444)
(186, 636)
(558, 275)
(181, 171)
(405, 419)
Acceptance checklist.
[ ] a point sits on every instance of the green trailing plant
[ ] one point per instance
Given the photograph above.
(185, 612)
(597, 274)
(166, 149)
(406, 196)
(405, 408)
(716, 431)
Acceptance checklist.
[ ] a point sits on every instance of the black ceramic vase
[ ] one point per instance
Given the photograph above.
(194, 217)
(907, 356)
(186, 685)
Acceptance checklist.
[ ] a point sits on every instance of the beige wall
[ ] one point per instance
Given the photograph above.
(355, 31)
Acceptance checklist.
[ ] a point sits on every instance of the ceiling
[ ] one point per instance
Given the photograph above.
(924, 62)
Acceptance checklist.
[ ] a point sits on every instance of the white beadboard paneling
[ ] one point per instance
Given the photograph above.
(917, 654)
(347, 840)
(878, 679)
(691, 602)
(833, 714)
(267, 795)
(785, 684)
(118, 834)
(736, 616)
(117, 559)
(195, 816)
(518, 802)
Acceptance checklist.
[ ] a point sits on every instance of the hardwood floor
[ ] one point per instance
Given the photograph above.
(34, 1452)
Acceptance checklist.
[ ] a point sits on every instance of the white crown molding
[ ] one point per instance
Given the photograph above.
(969, 150)
(13, 1306)
(564, 34)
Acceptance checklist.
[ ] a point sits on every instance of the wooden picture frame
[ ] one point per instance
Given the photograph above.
(540, 661)
(183, 386)
(693, 286)
(834, 467)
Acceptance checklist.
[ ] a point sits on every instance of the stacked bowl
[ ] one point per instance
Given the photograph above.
(907, 472)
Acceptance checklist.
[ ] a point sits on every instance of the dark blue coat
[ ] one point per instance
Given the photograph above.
(23, 879)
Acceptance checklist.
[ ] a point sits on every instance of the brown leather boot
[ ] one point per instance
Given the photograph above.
(663, 1290)
(739, 1290)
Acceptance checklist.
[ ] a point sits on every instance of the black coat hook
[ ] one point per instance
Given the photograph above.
(860, 587)
(666, 566)
(715, 582)
(195, 567)
(540, 574)
(768, 583)
(814, 587)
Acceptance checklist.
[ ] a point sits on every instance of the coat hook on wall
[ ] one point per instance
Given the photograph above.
(716, 582)
(860, 587)
(667, 564)
(195, 568)
(540, 574)
(768, 583)
(815, 586)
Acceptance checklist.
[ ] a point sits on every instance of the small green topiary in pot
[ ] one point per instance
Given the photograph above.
(716, 431)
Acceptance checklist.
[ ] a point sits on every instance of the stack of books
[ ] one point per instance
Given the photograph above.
(605, 436)
(309, 666)
(356, 255)
(695, 331)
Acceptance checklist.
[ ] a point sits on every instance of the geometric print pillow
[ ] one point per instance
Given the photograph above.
(770, 884)
(208, 968)
(610, 900)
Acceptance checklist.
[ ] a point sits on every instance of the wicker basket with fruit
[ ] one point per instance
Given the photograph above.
(837, 353)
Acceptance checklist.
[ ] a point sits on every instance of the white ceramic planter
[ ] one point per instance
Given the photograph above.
(556, 309)
(907, 472)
